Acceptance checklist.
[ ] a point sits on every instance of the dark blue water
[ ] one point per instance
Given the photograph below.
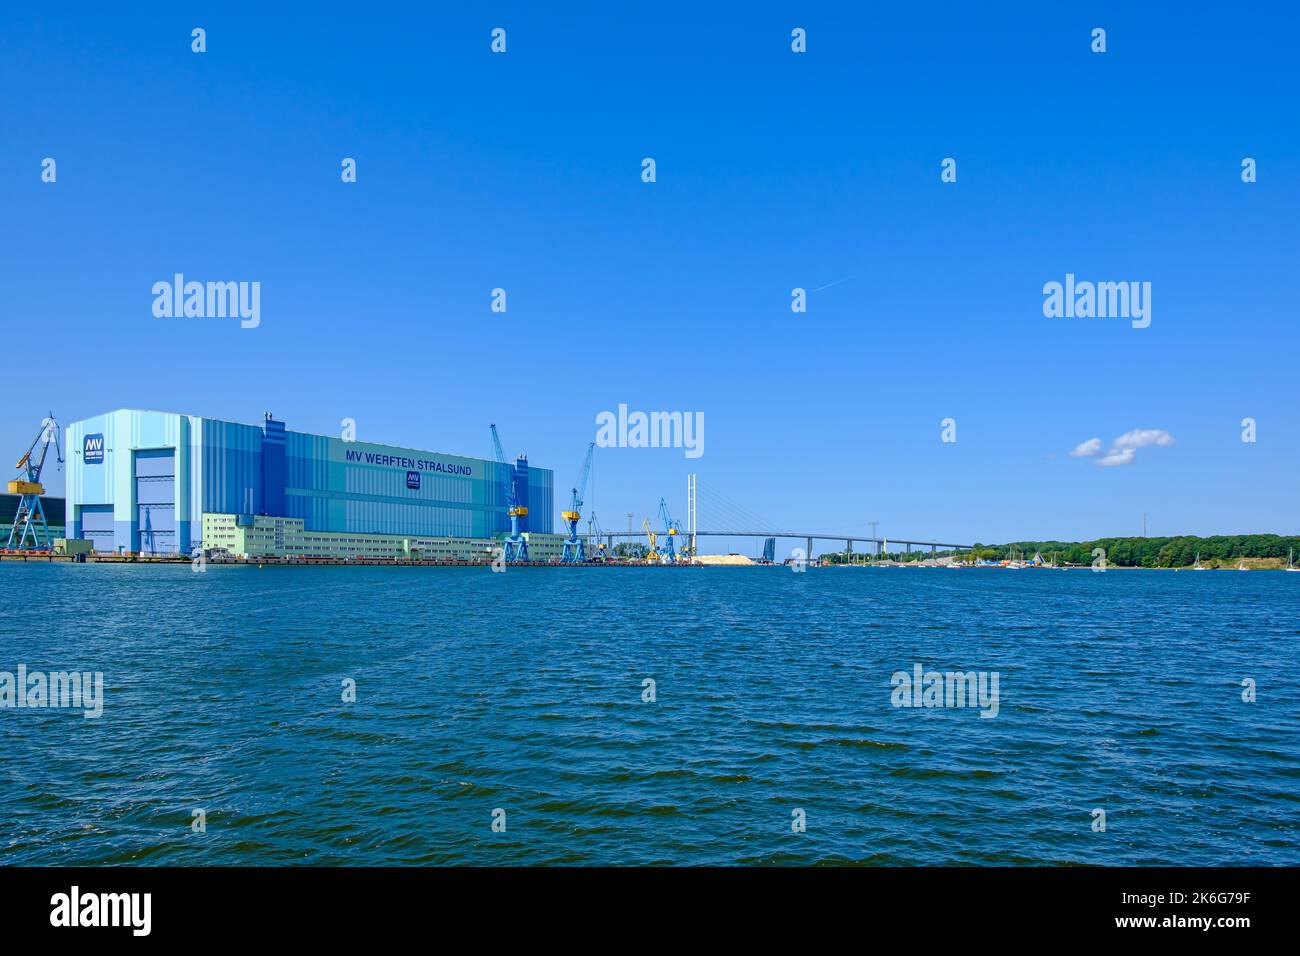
(523, 691)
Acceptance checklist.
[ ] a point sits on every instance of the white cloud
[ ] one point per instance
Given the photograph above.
(1116, 456)
(1123, 450)
(1141, 437)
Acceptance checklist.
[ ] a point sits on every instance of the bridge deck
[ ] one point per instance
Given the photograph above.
(806, 536)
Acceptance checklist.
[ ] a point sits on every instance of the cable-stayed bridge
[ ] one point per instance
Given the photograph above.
(711, 513)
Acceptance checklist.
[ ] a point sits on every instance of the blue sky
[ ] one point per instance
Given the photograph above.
(775, 171)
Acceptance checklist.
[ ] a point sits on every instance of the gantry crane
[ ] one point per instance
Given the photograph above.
(671, 528)
(515, 546)
(575, 550)
(652, 557)
(29, 531)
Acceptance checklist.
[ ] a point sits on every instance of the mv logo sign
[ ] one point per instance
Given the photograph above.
(92, 450)
(413, 480)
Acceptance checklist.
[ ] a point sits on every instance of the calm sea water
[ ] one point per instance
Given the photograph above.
(523, 691)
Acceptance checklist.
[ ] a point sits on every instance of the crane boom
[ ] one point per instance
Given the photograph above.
(671, 528)
(501, 460)
(580, 487)
(574, 549)
(516, 545)
(653, 555)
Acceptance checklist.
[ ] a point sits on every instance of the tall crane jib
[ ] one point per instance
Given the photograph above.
(515, 546)
(575, 550)
(30, 531)
(652, 556)
(671, 529)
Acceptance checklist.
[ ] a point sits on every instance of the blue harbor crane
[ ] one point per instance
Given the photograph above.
(514, 547)
(30, 531)
(671, 529)
(595, 533)
(575, 550)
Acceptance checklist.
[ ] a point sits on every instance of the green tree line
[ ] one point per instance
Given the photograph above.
(1173, 552)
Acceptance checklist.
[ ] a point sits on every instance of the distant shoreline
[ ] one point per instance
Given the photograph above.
(1258, 565)
(1255, 551)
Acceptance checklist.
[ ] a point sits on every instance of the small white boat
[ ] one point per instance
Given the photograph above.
(1241, 566)
(1289, 565)
(1197, 565)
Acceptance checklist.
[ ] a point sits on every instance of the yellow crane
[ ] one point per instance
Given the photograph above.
(653, 556)
(29, 529)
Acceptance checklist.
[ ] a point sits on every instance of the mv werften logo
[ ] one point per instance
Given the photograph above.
(208, 300)
(92, 449)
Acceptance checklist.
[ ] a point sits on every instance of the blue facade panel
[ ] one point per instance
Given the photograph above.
(232, 468)
(541, 497)
(273, 466)
(96, 527)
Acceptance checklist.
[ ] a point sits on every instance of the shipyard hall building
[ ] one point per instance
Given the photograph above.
(161, 483)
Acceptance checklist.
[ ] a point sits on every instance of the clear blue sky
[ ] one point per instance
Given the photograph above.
(775, 170)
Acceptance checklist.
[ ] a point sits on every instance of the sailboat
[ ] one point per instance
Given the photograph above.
(1197, 565)
(1289, 565)
(1241, 565)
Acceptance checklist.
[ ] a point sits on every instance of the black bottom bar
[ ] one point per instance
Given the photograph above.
(442, 905)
